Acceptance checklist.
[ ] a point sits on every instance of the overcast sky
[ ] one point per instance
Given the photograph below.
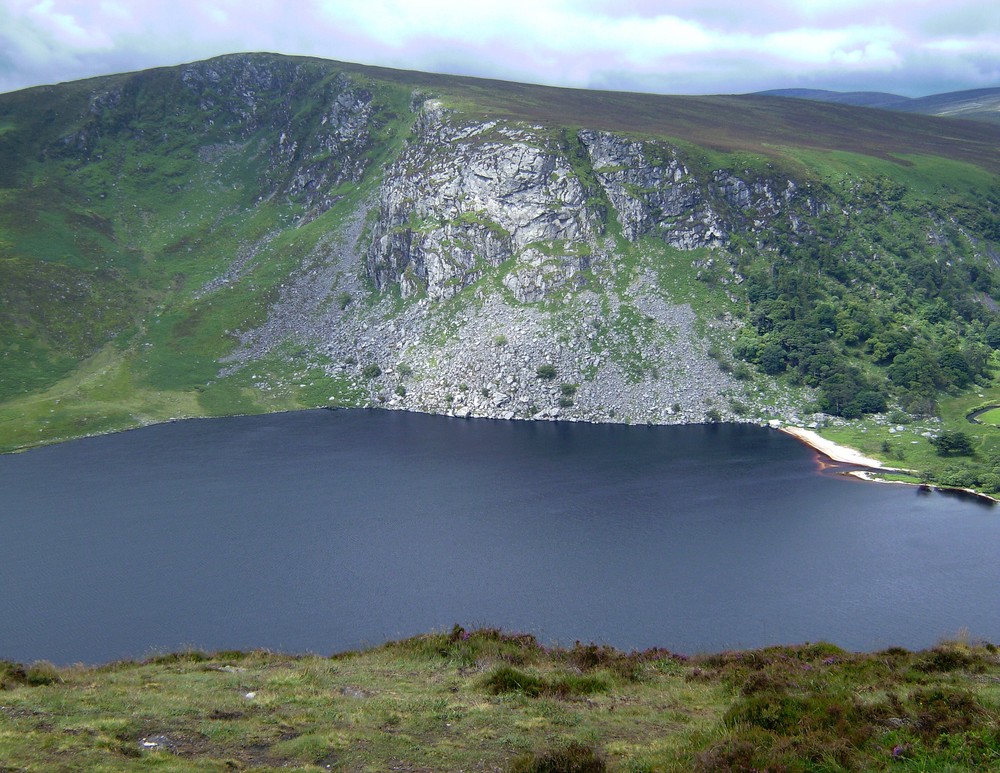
(910, 47)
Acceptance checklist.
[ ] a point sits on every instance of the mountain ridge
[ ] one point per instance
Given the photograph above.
(727, 122)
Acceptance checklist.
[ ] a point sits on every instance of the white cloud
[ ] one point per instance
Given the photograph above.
(914, 46)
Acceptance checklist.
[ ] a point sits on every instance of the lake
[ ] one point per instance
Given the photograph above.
(321, 531)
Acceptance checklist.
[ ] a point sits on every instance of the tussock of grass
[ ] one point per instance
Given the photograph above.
(507, 679)
(572, 758)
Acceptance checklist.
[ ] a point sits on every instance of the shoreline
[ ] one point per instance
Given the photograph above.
(367, 407)
(867, 476)
(847, 455)
(835, 451)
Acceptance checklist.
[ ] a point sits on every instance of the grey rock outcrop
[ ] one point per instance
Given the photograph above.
(652, 190)
(464, 197)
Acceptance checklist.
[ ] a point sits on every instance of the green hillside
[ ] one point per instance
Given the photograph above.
(485, 700)
(160, 230)
(122, 197)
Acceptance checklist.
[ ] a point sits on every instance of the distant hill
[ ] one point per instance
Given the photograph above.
(976, 104)
(857, 98)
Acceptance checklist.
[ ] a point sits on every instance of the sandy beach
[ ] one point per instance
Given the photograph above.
(835, 451)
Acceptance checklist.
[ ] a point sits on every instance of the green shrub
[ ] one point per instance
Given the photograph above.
(952, 442)
(771, 710)
(371, 371)
(945, 711)
(627, 665)
(944, 659)
(571, 685)
(11, 675)
(41, 673)
(546, 372)
(572, 758)
(508, 679)
(742, 373)
(404, 369)
(466, 648)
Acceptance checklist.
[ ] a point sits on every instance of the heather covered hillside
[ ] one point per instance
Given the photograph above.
(487, 700)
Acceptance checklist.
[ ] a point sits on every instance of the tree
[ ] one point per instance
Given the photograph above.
(869, 401)
(993, 334)
(954, 367)
(952, 442)
(772, 358)
(915, 370)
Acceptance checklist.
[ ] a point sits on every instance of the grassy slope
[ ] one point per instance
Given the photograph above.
(488, 701)
(133, 232)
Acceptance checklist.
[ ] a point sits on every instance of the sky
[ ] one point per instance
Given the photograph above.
(908, 47)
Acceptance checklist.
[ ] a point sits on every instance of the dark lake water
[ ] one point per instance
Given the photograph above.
(322, 531)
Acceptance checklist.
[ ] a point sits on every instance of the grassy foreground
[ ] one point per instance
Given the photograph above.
(485, 700)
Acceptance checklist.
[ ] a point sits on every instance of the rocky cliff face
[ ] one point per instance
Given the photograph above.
(466, 197)
(571, 316)
(652, 191)
(307, 154)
